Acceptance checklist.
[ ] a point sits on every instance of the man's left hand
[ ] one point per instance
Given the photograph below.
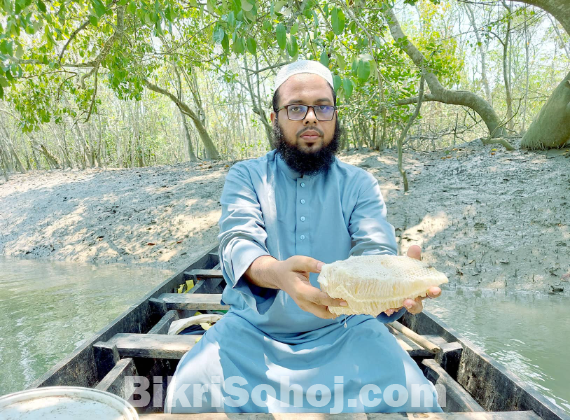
(415, 306)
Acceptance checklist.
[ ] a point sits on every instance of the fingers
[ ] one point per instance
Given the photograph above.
(414, 306)
(392, 311)
(414, 252)
(315, 301)
(318, 297)
(318, 310)
(303, 263)
(434, 292)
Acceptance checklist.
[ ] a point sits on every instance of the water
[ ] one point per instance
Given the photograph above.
(47, 309)
(529, 333)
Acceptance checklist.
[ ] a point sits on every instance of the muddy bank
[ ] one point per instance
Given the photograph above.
(488, 219)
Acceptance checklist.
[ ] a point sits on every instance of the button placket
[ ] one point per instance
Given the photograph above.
(302, 213)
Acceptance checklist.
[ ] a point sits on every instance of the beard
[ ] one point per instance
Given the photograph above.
(306, 163)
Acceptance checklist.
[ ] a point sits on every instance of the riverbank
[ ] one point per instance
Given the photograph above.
(488, 219)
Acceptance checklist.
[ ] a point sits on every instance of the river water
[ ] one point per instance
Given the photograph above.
(529, 333)
(49, 308)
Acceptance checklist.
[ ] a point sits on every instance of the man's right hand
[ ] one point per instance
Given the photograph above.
(293, 275)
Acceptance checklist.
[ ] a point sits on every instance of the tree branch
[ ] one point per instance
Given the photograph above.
(73, 35)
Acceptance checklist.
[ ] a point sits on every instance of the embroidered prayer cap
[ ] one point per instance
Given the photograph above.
(303, 66)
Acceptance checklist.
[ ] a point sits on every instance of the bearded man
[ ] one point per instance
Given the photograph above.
(279, 348)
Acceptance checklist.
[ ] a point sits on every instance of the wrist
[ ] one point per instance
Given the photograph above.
(263, 272)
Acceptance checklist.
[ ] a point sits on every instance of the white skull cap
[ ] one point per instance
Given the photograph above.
(303, 66)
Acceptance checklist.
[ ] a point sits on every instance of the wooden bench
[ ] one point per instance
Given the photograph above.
(162, 346)
(186, 301)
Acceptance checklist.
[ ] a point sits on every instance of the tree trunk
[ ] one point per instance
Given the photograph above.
(527, 70)
(197, 100)
(507, 70)
(438, 92)
(191, 155)
(256, 102)
(482, 51)
(4, 163)
(405, 132)
(551, 127)
(211, 151)
(52, 161)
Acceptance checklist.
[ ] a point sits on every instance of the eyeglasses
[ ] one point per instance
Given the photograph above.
(297, 112)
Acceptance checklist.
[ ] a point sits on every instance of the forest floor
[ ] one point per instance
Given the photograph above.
(497, 221)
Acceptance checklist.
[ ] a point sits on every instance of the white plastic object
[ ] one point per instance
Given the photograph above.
(65, 403)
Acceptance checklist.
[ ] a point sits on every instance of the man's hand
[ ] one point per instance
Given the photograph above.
(293, 275)
(415, 306)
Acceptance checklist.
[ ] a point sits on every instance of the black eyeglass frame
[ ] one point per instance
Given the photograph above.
(308, 106)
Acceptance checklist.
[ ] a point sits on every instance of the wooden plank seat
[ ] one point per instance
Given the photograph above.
(501, 415)
(198, 274)
(150, 346)
(115, 382)
(162, 346)
(186, 301)
(163, 325)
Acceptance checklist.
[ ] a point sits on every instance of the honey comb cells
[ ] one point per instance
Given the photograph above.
(372, 284)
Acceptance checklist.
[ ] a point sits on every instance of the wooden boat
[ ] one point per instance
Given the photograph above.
(137, 343)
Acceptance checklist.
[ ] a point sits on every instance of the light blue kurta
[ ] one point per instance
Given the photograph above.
(269, 209)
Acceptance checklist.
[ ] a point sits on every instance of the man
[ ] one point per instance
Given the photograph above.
(279, 349)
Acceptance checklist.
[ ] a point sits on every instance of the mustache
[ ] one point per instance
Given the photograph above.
(304, 130)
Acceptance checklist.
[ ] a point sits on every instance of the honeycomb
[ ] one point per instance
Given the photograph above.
(371, 284)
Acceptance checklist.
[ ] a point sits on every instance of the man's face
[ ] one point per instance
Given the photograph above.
(307, 145)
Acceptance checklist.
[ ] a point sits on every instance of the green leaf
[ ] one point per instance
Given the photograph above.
(363, 71)
(267, 27)
(226, 43)
(340, 61)
(281, 36)
(352, 27)
(324, 59)
(210, 5)
(132, 7)
(239, 45)
(337, 81)
(347, 86)
(292, 47)
(294, 28)
(218, 35)
(99, 8)
(338, 19)
(19, 52)
(246, 5)
(42, 6)
(251, 46)
(3, 82)
(373, 67)
(93, 20)
(231, 19)
(1, 92)
(279, 5)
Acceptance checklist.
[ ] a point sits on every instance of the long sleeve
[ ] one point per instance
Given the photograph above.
(369, 229)
(242, 237)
